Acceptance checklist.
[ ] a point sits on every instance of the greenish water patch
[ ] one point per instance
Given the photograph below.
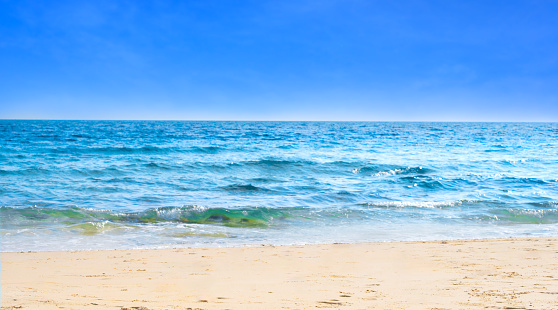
(525, 216)
(257, 217)
(65, 215)
(94, 228)
(72, 216)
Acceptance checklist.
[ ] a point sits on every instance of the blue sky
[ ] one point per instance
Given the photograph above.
(280, 60)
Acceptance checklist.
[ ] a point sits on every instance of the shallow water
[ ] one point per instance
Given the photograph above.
(68, 185)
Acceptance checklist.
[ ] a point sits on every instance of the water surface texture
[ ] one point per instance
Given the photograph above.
(69, 185)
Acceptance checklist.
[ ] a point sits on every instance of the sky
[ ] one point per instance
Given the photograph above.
(349, 60)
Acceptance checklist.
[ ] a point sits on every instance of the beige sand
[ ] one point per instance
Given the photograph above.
(493, 274)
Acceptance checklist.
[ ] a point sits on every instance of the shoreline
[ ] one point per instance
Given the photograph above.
(260, 245)
(519, 273)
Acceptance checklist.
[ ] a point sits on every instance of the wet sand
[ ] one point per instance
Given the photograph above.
(474, 274)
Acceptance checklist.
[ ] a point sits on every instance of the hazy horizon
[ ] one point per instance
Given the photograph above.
(259, 120)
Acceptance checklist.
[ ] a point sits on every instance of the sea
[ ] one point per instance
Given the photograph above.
(95, 185)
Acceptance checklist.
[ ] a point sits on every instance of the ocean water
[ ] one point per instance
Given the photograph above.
(75, 185)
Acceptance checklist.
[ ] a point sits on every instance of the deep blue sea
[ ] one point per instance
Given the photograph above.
(74, 185)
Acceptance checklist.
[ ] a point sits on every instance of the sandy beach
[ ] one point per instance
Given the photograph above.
(475, 274)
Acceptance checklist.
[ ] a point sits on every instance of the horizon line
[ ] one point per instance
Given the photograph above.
(278, 120)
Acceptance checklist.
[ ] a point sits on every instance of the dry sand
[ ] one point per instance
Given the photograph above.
(477, 274)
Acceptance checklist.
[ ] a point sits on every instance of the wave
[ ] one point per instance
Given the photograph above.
(545, 204)
(382, 170)
(205, 149)
(27, 171)
(491, 211)
(527, 181)
(158, 166)
(497, 148)
(423, 182)
(267, 180)
(245, 188)
(90, 221)
(113, 150)
(125, 150)
(71, 216)
(419, 204)
(523, 216)
(274, 163)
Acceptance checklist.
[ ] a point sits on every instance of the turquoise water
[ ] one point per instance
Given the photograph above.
(69, 185)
